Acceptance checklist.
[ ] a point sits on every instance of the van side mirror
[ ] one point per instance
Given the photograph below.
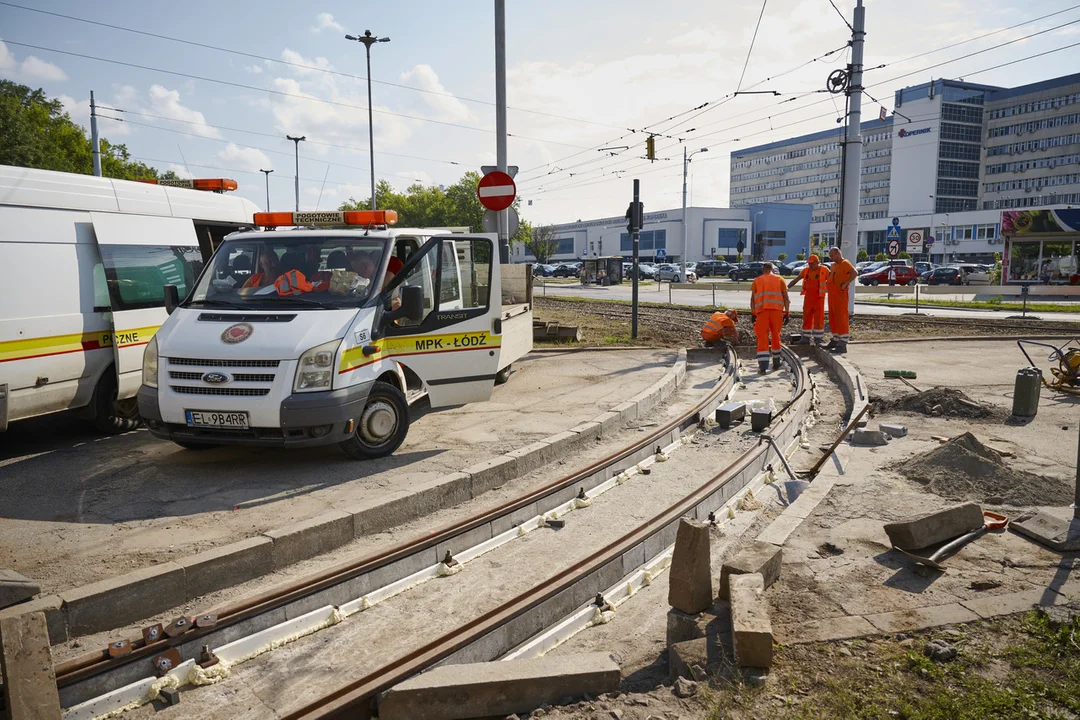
(412, 305)
(172, 298)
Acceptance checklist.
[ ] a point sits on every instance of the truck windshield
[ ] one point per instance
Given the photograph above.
(274, 269)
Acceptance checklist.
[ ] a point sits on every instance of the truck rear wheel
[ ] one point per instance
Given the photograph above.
(503, 375)
(113, 416)
(382, 426)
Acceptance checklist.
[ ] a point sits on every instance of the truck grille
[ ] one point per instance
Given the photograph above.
(201, 362)
(238, 377)
(234, 392)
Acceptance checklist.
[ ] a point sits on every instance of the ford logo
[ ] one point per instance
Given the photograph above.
(217, 378)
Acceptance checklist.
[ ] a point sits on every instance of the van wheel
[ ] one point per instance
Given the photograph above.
(503, 375)
(382, 426)
(113, 416)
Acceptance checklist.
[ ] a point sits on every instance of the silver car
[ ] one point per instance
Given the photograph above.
(673, 273)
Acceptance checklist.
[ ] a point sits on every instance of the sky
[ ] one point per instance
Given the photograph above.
(211, 89)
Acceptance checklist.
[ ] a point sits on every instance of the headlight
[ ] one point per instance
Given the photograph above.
(150, 363)
(316, 369)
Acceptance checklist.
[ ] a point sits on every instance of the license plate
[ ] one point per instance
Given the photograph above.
(210, 419)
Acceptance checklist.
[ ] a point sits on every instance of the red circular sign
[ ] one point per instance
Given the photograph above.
(496, 191)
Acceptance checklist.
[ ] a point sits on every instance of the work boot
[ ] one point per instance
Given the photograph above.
(776, 363)
(762, 367)
(832, 344)
(840, 348)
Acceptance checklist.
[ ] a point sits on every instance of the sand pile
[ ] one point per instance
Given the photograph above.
(940, 401)
(965, 469)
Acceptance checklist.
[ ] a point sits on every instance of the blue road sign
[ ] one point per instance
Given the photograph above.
(661, 253)
(896, 221)
(893, 234)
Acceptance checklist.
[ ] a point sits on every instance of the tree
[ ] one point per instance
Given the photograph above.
(800, 256)
(542, 244)
(739, 258)
(862, 256)
(879, 257)
(782, 257)
(903, 255)
(35, 132)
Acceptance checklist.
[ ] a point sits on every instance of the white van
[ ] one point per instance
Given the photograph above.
(303, 334)
(86, 260)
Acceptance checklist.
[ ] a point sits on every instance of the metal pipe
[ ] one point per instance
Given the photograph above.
(500, 120)
(772, 443)
(843, 434)
(370, 124)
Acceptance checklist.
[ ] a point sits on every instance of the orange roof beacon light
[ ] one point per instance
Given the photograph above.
(212, 184)
(363, 218)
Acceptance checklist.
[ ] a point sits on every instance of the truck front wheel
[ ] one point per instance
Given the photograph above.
(113, 416)
(382, 426)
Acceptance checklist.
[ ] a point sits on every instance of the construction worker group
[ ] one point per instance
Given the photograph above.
(770, 308)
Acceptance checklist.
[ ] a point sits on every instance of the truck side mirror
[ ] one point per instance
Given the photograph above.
(412, 305)
(172, 298)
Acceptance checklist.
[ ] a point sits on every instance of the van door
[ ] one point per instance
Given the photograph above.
(454, 348)
(142, 254)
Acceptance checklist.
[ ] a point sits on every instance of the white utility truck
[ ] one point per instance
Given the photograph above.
(322, 328)
(86, 260)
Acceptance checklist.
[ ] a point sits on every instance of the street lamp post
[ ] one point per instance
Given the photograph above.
(267, 174)
(368, 39)
(685, 163)
(296, 141)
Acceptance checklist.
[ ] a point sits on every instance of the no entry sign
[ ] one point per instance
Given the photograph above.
(893, 248)
(496, 191)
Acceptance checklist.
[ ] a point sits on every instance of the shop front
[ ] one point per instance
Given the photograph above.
(1041, 246)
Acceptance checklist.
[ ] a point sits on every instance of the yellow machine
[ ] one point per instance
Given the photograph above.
(1066, 374)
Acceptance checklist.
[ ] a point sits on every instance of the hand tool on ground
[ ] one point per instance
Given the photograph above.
(991, 521)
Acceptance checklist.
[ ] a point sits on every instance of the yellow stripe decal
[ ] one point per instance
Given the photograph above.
(75, 342)
(419, 345)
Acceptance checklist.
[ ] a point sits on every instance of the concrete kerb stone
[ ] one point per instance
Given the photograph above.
(609, 422)
(124, 599)
(588, 430)
(227, 565)
(308, 538)
(55, 618)
(492, 473)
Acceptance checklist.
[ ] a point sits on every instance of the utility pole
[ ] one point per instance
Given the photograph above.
(685, 164)
(94, 136)
(267, 174)
(849, 227)
(368, 39)
(500, 120)
(297, 141)
(635, 216)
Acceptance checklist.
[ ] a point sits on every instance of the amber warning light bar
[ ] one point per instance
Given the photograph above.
(365, 218)
(213, 184)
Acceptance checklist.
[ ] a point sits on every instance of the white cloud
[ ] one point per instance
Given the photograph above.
(254, 69)
(32, 68)
(242, 158)
(79, 110)
(446, 106)
(325, 21)
(167, 103)
(181, 171)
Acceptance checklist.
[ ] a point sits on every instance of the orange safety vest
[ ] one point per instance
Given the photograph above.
(767, 293)
(841, 273)
(814, 285)
(718, 326)
(292, 283)
(255, 280)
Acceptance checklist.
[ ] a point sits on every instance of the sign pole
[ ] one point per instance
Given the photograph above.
(635, 235)
(500, 119)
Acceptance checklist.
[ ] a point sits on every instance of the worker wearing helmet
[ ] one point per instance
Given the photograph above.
(721, 326)
(815, 278)
(770, 306)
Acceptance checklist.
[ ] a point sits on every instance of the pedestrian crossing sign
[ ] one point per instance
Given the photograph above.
(894, 233)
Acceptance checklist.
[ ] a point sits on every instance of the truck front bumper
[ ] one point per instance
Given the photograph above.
(307, 420)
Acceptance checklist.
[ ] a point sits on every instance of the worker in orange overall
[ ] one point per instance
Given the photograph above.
(771, 307)
(721, 326)
(814, 277)
(841, 276)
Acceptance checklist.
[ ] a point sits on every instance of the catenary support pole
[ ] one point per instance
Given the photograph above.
(94, 136)
(500, 120)
(849, 230)
(634, 282)
(296, 142)
(682, 260)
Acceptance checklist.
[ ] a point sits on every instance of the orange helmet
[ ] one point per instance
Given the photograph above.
(733, 314)
(813, 259)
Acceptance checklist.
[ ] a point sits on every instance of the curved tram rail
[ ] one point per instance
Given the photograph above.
(97, 673)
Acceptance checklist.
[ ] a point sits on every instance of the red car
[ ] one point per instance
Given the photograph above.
(904, 276)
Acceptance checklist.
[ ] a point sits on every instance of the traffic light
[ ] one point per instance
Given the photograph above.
(635, 216)
(650, 147)
(740, 246)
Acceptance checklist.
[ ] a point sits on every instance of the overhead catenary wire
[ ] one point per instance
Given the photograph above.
(841, 16)
(750, 50)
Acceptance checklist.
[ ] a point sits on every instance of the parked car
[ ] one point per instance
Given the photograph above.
(673, 273)
(860, 266)
(644, 272)
(713, 268)
(905, 275)
(542, 270)
(871, 267)
(797, 266)
(566, 270)
(783, 268)
(745, 271)
(924, 267)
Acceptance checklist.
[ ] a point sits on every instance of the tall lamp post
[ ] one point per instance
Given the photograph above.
(368, 39)
(685, 164)
(267, 174)
(297, 141)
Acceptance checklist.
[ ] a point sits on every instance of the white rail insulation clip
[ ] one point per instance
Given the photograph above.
(130, 696)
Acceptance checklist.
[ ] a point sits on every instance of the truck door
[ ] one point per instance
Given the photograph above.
(454, 349)
(142, 254)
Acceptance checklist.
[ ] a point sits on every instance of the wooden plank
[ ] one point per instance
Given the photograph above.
(26, 664)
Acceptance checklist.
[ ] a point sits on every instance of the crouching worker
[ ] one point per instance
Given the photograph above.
(720, 327)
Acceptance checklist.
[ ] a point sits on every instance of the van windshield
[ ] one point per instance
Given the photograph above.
(274, 269)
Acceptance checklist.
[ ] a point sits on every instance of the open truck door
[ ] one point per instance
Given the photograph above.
(142, 254)
(454, 344)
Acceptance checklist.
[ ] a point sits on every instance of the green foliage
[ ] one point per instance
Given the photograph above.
(995, 271)
(800, 256)
(903, 255)
(879, 257)
(35, 132)
(738, 258)
(542, 243)
(862, 256)
(782, 257)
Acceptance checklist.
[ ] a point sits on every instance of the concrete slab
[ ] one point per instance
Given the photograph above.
(995, 605)
(123, 599)
(923, 531)
(751, 630)
(451, 692)
(690, 575)
(27, 668)
(682, 627)
(52, 607)
(825, 629)
(920, 618)
(309, 538)
(228, 565)
(15, 588)
(692, 659)
(758, 557)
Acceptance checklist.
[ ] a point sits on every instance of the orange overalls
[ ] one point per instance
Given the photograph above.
(718, 326)
(767, 304)
(292, 283)
(842, 272)
(813, 307)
